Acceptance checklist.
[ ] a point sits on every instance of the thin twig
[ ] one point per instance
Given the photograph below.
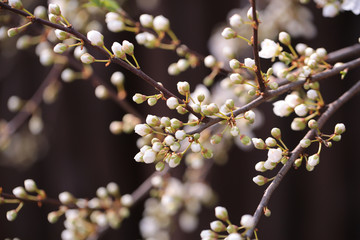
(255, 47)
(273, 93)
(332, 108)
(87, 43)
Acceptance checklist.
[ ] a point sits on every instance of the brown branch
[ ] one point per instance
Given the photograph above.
(347, 52)
(255, 47)
(118, 61)
(332, 108)
(270, 94)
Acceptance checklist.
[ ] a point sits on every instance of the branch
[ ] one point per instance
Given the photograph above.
(332, 108)
(273, 93)
(31, 105)
(259, 78)
(115, 60)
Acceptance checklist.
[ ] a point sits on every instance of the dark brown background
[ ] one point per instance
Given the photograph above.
(83, 155)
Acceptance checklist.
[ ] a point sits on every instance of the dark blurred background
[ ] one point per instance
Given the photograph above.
(80, 154)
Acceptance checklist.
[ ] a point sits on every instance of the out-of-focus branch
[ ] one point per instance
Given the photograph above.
(331, 109)
(347, 52)
(31, 105)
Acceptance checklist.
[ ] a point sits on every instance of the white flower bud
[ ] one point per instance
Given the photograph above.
(175, 146)
(117, 78)
(269, 49)
(284, 38)
(228, 33)
(139, 157)
(301, 110)
(152, 120)
(139, 98)
(40, 12)
(209, 61)
(66, 198)
(298, 124)
(321, 52)
(300, 48)
(250, 116)
(250, 63)
(312, 94)
(236, 20)
(339, 128)
(128, 47)
(274, 155)
(234, 236)
(14, 103)
(116, 26)
(260, 166)
(60, 48)
(305, 143)
(195, 147)
(149, 156)
(146, 20)
(86, 58)
(30, 185)
(259, 143)
(183, 88)
(118, 50)
(330, 10)
(281, 108)
(101, 192)
(11, 215)
(61, 35)
(172, 102)
(161, 23)
(182, 64)
(101, 92)
(127, 200)
(169, 140)
(293, 100)
(180, 134)
(270, 142)
(116, 127)
(221, 213)
(16, 4)
(19, 192)
(234, 64)
(143, 129)
(96, 38)
(247, 221)
(217, 226)
(314, 160)
(234, 131)
(54, 9)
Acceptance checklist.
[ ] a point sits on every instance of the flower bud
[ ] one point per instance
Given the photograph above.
(234, 64)
(116, 127)
(96, 38)
(221, 213)
(86, 58)
(207, 153)
(161, 23)
(139, 98)
(175, 123)
(305, 143)
(314, 160)
(143, 129)
(231, 228)
(54, 18)
(60, 48)
(312, 94)
(250, 116)
(229, 33)
(209, 61)
(270, 142)
(12, 32)
(172, 102)
(183, 88)
(298, 124)
(250, 63)
(40, 12)
(339, 128)
(313, 124)
(16, 4)
(234, 131)
(215, 139)
(54, 9)
(101, 92)
(234, 236)
(236, 78)
(229, 103)
(245, 140)
(180, 135)
(301, 110)
(160, 166)
(152, 101)
(128, 47)
(195, 147)
(337, 138)
(284, 38)
(152, 120)
(146, 20)
(276, 133)
(165, 121)
(19, 192)
(236, 20)
(30, 185)
(175, 160)
(118, 51)
(53, 217)
(217, 226)
(247, 221)
(260, 166)
(259, 143)
(249, 14)
(11, 215)
(66, 198)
